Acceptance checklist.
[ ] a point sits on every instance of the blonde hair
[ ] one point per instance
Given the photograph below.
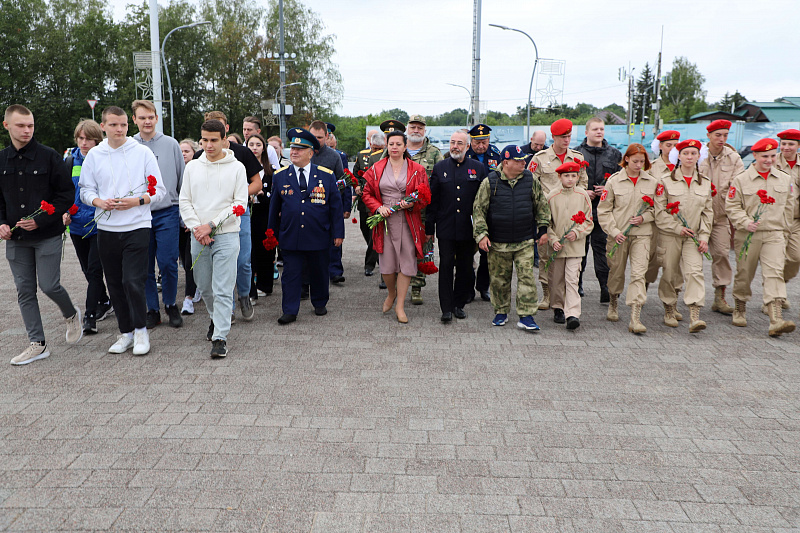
(147, 104)
(217, 115)
(90, 129)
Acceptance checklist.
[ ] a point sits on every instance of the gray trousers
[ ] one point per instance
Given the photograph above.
(30, 260)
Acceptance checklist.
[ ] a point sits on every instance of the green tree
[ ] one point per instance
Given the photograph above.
(684, 90)
(643, 94)
(730, 102)
(456, 117)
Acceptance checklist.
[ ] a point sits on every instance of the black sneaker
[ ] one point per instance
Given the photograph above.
(573, 322)
(604, 296)
(104, 310)
(153, 319)
(175, 319)
(210, 333)
(89, 324)
(219, 348)
(558, 316)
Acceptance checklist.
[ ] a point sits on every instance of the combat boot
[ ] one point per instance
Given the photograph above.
(416, 295)
(695, 323)
(669, 316)
(636, 325)
(777, 325)
(675, 312)
(740, 313)
(613, 312)
(544, 303)
(720, 305)
(785, 303)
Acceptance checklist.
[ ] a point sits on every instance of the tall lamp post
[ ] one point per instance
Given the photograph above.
(169, 82)
(283, 105)
(536, 61)
(470, 100)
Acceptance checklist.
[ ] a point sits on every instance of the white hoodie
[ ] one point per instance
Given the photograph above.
(210, 191)
(117, 173)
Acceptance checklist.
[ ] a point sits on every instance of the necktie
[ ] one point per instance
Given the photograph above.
(302, 181)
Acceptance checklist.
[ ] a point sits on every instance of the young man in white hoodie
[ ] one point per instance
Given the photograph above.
(213, 186)
(114, 179)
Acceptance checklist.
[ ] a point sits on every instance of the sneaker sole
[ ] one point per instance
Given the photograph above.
(140, 353)
(186, 313)
(44, 355)
(106, 315)
(520, 325)
(116, 351)
(501, 324)
(219, 356)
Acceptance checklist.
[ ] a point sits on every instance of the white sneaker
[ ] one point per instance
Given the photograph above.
(32, 353)
(74, 327)
(123, 344)
(188, 307)
(141, 342)
(197, 296)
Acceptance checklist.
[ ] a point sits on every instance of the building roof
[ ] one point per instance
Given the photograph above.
(716, 115)
(783, 111)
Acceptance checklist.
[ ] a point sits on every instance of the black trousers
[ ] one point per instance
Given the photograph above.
(185, 253)
(482, 279)
(597, 240)
(89, 258)
(124, 256)
(371, 256)
(455, 255)
(261, 259)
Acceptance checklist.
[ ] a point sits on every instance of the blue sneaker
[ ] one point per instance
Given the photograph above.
(275, 274)
(527, 323)
(500, 319)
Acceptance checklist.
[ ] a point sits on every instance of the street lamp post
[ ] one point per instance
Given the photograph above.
(470, 100)
(536, 61)
(169, 82)
(283, 105)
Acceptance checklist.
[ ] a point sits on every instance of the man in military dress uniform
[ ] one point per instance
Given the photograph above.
(377, 142)
(305, 214)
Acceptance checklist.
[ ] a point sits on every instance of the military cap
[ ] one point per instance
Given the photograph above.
(719, 125)
(569, 166)
(392, 125)
(331, 127)
(480, 131)
(417, 118)
(562, 126)
(512, 151)
(789, 135)
(669, 135)
(765, 145)
(688, 143)
(302, 138)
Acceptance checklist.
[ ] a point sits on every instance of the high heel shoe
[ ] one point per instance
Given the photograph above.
(387, 308)
(402, 318)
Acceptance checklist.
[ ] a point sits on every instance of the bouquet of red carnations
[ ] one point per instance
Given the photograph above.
(426, 264)
(423, 193)
(646, 203)
(766, 201)
(44, 207)
(149, 187)
(674, 209)
(577, 219)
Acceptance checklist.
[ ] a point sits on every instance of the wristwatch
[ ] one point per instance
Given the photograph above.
(141, 200)
(212, 225)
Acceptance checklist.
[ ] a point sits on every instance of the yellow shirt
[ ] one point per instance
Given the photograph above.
(621, 200)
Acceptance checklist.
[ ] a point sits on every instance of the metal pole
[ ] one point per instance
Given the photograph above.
(658, 88)
(476, 63)
(156, 65)
(282, 71)
(535, 62)
(166, 70)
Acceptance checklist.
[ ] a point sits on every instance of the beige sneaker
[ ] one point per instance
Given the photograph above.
(32, 353)
(74, 327)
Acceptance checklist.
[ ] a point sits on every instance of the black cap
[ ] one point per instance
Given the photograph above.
(392, 125)
(331, 127)
(480, 131)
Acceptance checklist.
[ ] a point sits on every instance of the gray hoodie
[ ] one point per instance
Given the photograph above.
(170, 161)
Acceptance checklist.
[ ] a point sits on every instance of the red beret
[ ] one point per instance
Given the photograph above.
(572, 166)
(562, 126)
(689, 143)
(790, 135)
(765, 145)
(719, 125)
(669, 135)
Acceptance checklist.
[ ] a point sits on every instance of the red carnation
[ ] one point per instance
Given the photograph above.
(238, 210)
(270, 243)
(767, 200)
(424, 194)
(606, 175)
(761, 193)
(713, 190)
(673, 208)
(649, 201)
(360, 172)
(151, 180)
(355, 220)
(47, 208)
(72, 210)
(151, 190)
(579, 218)
(428, 268)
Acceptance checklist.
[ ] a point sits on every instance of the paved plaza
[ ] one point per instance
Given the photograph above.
(352, 422)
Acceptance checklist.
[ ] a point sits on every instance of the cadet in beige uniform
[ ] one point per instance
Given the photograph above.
(721, 166)
(787, 162)
(768, 245)
(565, 202)
(619, 204)
(543, 167)
(676, 246)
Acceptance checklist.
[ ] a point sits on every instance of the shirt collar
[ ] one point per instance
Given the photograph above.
(28, 151)
(306, 169)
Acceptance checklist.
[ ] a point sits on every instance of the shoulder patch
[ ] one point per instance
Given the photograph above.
(282, 168)
(731, 192)
(660, 189)
(325, 169)
(604, 195)
(532, 165)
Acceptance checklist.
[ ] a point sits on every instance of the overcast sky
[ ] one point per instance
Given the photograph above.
(404, 52)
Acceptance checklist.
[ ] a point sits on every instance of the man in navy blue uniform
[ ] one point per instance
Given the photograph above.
(454, 184)
(305, 213)
(482, 150)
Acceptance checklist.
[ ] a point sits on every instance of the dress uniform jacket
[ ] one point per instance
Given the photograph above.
(491, 158)
(453, 189)
(742, 200)
(695, 204)
(544, 165)
(721, 170)
(564, 204)
(309, 220)
(621, 200)
(794, 174)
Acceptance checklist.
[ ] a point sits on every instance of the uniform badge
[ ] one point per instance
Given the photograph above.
(492, 164)
(604, 195)
(660, 190)
(732, 192)
(532, 166)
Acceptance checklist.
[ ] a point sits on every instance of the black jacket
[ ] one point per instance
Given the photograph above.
(603, 162)
(453, 190)
(27, 177)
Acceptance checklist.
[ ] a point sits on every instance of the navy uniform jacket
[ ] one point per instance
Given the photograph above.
(310, 220)
(453, 189)
(491, 159)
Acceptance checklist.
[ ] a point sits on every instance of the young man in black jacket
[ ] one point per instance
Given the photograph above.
(35, 180)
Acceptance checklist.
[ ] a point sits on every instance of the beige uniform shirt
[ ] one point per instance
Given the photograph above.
(564, 204)
(695, 204)
(659, 168)
(722, 169)
(794, 173)
(742, 201)
(621, 200)
(544, 164)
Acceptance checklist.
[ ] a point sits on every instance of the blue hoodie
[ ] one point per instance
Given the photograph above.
(85, 213)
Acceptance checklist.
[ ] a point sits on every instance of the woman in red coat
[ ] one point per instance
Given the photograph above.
(398, 240)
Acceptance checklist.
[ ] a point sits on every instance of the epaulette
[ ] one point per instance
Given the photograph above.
(365, 151)
(282, 169)
(324, 169)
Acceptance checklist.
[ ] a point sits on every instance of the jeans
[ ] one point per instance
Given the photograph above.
(164, 237)
(30, 260)
(124, 258)
(89, 258)
(215, 275)
(244, 271)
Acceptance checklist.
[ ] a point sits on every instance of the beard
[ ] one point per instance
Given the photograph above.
(415, 138)
(457, 154)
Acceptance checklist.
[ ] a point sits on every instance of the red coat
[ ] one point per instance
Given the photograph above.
(372, 199)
